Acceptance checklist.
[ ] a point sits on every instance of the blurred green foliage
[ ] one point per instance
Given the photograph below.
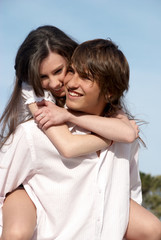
(151, 189)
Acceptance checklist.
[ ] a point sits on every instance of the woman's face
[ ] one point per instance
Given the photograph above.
(52, 74)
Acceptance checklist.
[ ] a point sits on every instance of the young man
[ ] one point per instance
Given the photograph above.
(95, 84)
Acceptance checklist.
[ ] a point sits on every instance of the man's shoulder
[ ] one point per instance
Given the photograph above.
(126, 145)
(28, 125)
(33, 133)
(125, 149)
(27, 128)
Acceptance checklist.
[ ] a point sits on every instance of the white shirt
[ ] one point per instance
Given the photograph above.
(28, 96)
(83, 198)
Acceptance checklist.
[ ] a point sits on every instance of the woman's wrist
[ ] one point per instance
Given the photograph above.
(70, 116)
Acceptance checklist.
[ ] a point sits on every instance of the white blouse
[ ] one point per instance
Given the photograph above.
(28, 96)
(83, 198)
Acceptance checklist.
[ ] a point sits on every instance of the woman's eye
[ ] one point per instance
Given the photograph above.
(58, 71)
(42, 77)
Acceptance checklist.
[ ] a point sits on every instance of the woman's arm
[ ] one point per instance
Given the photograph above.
(70, 145)
(67, 144)
(118, 128)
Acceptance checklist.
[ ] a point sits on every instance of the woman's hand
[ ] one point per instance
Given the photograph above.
(49, 115)
(135, 127)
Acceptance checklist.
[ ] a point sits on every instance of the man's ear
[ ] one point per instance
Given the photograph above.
(108, 97)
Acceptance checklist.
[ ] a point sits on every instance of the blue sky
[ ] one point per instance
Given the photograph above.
(134, 25)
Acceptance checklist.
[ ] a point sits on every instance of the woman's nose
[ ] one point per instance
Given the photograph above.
(55, 83)
(61, 77)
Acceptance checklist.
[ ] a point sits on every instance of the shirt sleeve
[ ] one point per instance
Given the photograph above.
(15, 163)
(135, 181)
(29, 95)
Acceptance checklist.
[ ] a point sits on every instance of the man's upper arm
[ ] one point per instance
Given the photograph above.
(135, 181)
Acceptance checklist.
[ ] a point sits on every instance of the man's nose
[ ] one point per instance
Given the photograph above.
(74, 81)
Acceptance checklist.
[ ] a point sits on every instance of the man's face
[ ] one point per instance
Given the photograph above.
(83, 94)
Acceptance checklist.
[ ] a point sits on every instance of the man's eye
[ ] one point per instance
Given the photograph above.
(86, 77)
(70, 70)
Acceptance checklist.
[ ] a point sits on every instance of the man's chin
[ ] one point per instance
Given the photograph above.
(72, 107)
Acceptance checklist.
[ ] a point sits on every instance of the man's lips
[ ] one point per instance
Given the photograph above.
(74, 93)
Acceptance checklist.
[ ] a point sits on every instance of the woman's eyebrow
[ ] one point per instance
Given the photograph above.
(57, 68)
(54, 70)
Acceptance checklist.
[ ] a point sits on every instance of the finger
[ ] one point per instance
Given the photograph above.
(42, 122)
(46, 126)
(39, 118)
(42, 111)
(42, 115)
(37, 113)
